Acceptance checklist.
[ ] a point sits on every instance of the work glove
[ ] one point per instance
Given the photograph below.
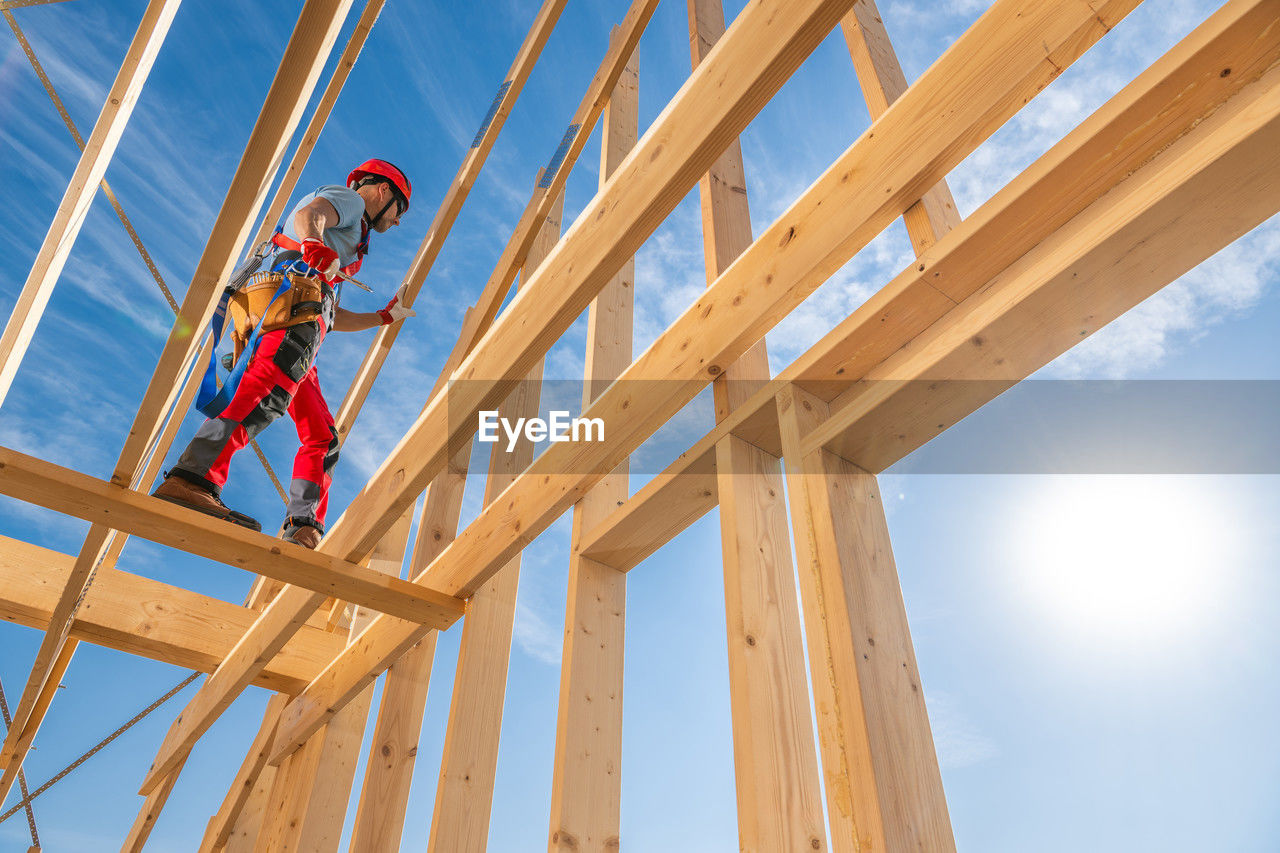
(320, 258)
(396, 309)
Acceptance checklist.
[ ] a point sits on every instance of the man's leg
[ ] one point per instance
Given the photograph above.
(313, 466)
(266, 388)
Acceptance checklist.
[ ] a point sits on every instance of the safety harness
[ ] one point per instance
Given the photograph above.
(303, 292)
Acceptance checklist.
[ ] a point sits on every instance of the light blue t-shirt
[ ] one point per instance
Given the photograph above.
(344, 236)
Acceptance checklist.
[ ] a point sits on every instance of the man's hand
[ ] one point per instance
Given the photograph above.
(396, 310)
(320, 258)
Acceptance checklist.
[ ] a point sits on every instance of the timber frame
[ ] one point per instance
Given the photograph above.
(1173, 168)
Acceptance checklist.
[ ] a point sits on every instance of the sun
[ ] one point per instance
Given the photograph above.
(1139, 559)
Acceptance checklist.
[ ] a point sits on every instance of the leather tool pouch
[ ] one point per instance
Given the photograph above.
(301, 303)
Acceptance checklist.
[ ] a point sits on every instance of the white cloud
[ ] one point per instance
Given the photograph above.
(1223, 287)
(957, 740)
(537, 636)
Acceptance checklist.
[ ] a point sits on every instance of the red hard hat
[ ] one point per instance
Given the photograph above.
(386, 170)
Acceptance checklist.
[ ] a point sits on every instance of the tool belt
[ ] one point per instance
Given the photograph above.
(301, 303)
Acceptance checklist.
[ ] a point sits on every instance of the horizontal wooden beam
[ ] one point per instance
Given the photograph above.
(72, 493)
(1012, 52)
(145, 617)
(1143, 119)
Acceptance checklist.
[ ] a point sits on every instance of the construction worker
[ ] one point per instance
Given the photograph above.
(326, 236)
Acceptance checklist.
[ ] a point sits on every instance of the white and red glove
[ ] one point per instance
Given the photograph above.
(396, 310)
(320, 258)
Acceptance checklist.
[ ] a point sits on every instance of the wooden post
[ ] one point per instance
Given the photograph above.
(884, 789)
(451, 205)
(775, 761)
(149, 813)
(384, 797)
(80, 191)
(222, 825)
(586, 787)
(309, 799)
(882, 80)
(468, 767)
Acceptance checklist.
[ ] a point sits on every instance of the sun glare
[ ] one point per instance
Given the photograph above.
(1137, 559)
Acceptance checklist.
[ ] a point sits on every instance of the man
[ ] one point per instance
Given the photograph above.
(328, 233)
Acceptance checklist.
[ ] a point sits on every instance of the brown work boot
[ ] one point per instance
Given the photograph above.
(178, 490)
(301, 534)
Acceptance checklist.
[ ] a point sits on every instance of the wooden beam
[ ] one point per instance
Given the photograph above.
(140, 831)
(319, 117)
(27, 736)
(766, 43)
(304, 57)
(1002, 57)
(313, 36)
(586, 781)
(108, 506)
(707, 115)
(74, 207)
(221, 825)
(884, 788)
(622, 44)
(883, 82)
(319, 824)
(1178, 90)
(468, 766)
(1211, 186)
(384, 796)
(512, 85)
(775, 761)
(148, 618)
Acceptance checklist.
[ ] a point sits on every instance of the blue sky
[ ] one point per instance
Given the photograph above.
(1086, 686)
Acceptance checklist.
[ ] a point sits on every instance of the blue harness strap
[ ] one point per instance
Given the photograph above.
(211, 400)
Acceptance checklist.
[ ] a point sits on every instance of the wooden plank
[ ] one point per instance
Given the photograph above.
(622, 44)
(108, 506)
(319, 117)
(304, 57)
(53, 647)
(145, 617)
(220, 827)
(74, 206)
(1144, 118)
(286, 805)
(140, 831)
(818, 233)
(883, 785)
(586, 781)
(326, 807)
(703, 118)
(1211, 186)
(384, 796)
(765, 44)
(22, 743)
(775, 762)
(513, 83)
(882, 80)
(1002, 56)
(244, 833)
(468, 766)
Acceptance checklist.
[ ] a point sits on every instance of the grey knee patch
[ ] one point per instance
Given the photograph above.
(206, 446)
(304, 498)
